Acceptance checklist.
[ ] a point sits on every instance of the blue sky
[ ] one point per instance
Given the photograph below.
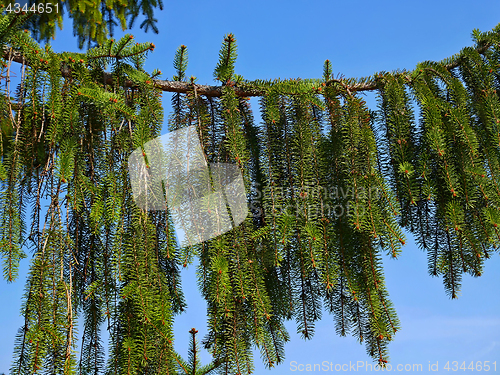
(290, 39)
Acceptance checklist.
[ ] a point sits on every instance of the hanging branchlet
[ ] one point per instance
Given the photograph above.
(397, 122)
(179, 117)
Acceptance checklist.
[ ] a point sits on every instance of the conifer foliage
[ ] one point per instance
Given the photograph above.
(93, 21)
(331, 186)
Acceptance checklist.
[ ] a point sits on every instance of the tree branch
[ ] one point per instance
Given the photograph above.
(214, 91)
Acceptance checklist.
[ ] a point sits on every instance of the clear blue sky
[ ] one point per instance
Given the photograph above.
(290, 39)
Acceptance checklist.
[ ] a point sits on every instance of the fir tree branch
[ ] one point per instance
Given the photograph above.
(216, 91)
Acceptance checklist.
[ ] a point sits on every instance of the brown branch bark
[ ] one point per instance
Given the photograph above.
(208, 90)
(170, 86)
